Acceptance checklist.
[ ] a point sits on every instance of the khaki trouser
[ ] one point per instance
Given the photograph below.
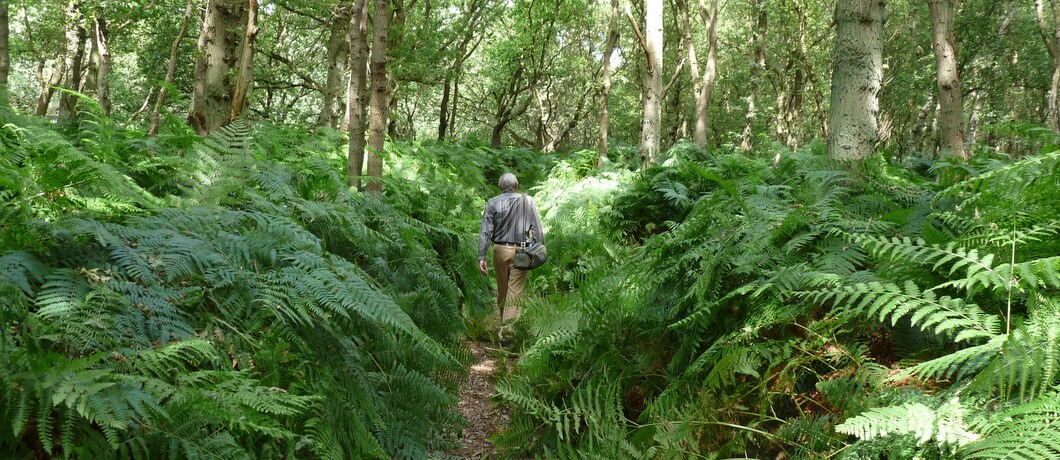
(510, 281)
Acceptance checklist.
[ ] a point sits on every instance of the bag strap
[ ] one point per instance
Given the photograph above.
(522, 219)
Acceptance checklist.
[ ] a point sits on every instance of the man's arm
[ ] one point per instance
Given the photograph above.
(485, 232)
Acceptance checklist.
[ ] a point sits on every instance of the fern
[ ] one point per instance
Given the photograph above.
(979, 270)
(212, 327)
(1027, 365)
(960, 364)
(1027, 431)
(945, 424)
(940, 315)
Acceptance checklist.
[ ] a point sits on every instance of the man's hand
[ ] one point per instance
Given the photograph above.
(483, 268)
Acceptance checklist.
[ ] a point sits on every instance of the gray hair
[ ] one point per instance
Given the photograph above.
(508, 182)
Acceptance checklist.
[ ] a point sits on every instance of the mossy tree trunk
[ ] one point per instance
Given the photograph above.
(219, 52)
(338, 56)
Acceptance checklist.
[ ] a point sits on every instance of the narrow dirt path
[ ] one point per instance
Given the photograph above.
(483, 417)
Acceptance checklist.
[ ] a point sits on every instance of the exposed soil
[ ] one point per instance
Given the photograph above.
(483, 417)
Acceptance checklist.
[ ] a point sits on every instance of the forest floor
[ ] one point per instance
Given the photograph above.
(483, 417)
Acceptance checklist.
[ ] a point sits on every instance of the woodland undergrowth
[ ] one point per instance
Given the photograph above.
(725, 305)
(232, 297)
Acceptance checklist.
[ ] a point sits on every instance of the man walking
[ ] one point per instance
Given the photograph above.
(507, 222)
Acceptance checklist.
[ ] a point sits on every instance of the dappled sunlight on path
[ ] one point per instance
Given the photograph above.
(483, 417)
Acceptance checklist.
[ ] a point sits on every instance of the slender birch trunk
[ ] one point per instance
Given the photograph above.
(605, 88)
(651, 121)
(951, 107)
(171, 68)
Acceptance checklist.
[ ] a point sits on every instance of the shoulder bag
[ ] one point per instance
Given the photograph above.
(530, 254)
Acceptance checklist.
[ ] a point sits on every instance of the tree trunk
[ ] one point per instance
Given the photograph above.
(702, 84)
(102, 47)
(758, 67)
(916, 135)
(951, 116)
(605, 88)
(48, 90)
(651, 120)
(91, 79)
(443, 111)
(978, 101)
(567, 128)
(497, 131)
(245, 72)
(474, 12)
(174, 49)
(380, 101)
(75, 55)
(506, 101)
(455, 106)
(212, 97)
(357, 90)
(5, 53)
(338, 55)
(989, 63)
(857, 72)
(1051, 37)
(798, 71)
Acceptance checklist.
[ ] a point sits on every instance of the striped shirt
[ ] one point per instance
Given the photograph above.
(503, 223)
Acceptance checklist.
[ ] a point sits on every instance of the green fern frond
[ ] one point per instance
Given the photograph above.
(945, 425)
(21, 271)
(940, 315)
(979, 269)
(1029, 431)
(1028, 363)
(1006, 178)
(959, 364)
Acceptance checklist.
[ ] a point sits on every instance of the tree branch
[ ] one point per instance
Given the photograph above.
(318, 19)
(305, 77)
(640, 36)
